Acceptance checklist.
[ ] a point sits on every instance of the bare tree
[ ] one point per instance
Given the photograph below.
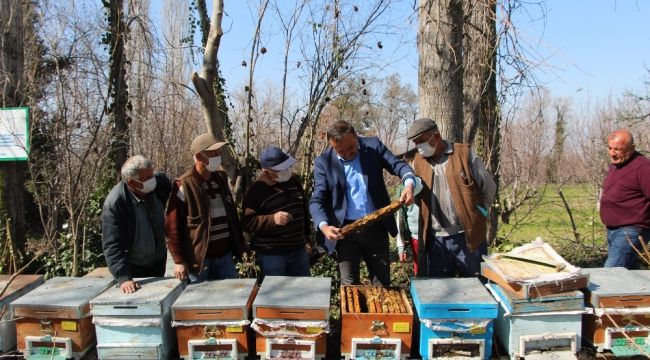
(204, 81)
(440, 74)
(117, 110)
(69, 172)
(13, 22)
(289, 23)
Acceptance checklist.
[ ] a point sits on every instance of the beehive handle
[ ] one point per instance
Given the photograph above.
(292, 312)
(216, 312)
(458, 310)
(124, 307)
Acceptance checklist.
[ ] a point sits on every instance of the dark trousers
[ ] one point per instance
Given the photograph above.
(157, 269)
(371, 245)
(448, 256)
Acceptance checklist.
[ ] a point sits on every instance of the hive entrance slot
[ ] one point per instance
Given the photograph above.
(456, 350)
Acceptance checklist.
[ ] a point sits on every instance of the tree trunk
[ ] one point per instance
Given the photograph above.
(203, 83)
(488, 140)
(440, 73)
(12, 80)
(477, 50)
(118, 88)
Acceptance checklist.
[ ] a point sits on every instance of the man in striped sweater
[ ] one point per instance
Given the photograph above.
(276, 216)
(202, 226)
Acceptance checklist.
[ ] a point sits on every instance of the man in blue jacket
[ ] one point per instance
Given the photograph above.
(349, 184)
(133, 218)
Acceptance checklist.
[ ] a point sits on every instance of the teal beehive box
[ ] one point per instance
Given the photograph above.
(136, 325)
(545, 327)
(456, 315)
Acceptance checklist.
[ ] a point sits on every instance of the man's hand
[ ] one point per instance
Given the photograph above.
(332, 233)
(129, 286)
(407, 195)
(180, 271)
(402, 256)
(282, 218)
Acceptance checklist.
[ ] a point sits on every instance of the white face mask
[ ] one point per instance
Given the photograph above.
(214, 163)
(148, 186)
(425, 149)
(284, 175)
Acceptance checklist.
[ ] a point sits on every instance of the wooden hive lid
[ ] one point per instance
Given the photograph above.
(294, 293)
(154, 297)
(616, 282)
(18, 283)
(63, 293)
(219, 294)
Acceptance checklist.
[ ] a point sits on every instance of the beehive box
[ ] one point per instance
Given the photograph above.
(532, 270)
(620, 299)
(291, 317)
(11, 290)
(54, 318)
(136, 325)
(215, 326)
(456, 317)
(541, 328)
(376, 323)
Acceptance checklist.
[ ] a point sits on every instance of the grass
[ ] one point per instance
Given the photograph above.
(550, 220)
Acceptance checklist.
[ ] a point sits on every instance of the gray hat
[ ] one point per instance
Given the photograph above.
(419, 126)
(205, 142)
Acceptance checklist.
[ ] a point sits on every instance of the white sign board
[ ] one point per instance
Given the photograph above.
(14, 134)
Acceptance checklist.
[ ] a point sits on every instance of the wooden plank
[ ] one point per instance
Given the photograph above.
(197, 332)
(536, 290)
(630, 301)
(82, 338)
(208, 314)
(48, 312)
(292, 314)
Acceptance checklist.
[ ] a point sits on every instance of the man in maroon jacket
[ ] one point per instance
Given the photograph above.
(625, 200)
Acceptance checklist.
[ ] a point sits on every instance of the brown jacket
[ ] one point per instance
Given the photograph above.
(187, 223)
(464, 193)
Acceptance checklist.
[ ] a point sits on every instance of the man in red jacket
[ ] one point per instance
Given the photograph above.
(625, 200)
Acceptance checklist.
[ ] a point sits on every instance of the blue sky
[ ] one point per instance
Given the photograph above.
(595, 47)
(586, 48)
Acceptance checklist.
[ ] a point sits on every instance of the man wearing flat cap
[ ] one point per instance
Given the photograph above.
(202, 226)
(458, 192)
(276, 216)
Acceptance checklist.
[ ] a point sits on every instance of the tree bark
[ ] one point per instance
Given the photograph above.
(489, 129)
(118, 88)
(12, 79)
(203, 83)
(440, 73)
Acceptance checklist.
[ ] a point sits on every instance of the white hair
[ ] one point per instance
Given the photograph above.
(132, 165)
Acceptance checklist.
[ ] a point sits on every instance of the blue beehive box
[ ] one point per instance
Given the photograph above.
(456, 317)
(136, 325)
(541, 328)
